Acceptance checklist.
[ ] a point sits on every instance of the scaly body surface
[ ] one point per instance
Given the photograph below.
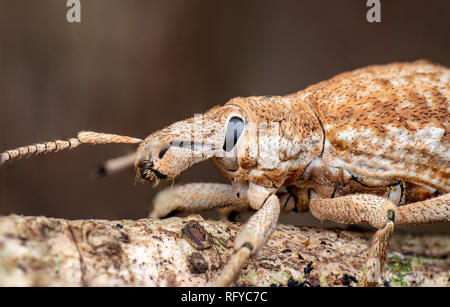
(371, 145)
(388, 123)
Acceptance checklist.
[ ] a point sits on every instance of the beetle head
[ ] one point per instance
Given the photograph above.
(167, 152)
(255, 139)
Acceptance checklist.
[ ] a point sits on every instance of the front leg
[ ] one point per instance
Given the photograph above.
(356, 209)
(252, 237)
(193, 197)
(196, 197)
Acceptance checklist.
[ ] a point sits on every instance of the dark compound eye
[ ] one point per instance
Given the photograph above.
(234, 131)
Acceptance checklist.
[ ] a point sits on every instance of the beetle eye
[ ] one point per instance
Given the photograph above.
(234, 131)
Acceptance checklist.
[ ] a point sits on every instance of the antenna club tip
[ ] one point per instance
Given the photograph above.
(104, 138)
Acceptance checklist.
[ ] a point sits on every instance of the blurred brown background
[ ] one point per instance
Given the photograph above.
(132, 67)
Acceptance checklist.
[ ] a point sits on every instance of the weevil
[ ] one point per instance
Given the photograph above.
(366, 146)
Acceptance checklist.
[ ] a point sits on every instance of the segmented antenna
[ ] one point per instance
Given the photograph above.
(83, 137)
(115, 165)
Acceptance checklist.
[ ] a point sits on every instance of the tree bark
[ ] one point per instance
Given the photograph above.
(41, 251)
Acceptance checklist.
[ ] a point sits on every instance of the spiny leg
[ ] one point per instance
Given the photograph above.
(193, 197)
(252, 237)
(434, 210)
(357, 209)
(83, 137)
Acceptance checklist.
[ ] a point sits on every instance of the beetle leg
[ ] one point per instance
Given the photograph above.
(376, 259)
(357, 209)
(193, 197)
(252, 237)
(288, 202)
(434, 210)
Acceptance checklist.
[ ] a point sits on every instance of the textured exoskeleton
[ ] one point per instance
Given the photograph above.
(371, 145)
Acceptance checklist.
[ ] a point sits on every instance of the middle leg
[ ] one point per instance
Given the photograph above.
(356, 209)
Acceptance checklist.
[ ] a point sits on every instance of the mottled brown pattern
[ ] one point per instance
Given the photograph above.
(279, 159)
(374, 103)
